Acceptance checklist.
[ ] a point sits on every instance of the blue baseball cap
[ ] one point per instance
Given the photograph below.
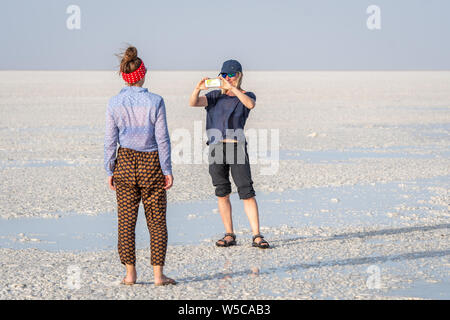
(231, 66)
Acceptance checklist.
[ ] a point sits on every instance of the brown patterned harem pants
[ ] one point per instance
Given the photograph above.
(138, 175)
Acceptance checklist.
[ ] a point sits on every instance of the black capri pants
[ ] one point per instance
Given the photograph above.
(226, 156)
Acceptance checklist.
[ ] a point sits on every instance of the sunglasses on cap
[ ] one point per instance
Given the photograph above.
(230, 75)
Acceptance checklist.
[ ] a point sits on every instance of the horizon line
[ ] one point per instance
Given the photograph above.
(252, 70)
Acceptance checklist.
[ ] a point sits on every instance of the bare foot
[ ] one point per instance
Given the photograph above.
(163, 281)
(130, 278)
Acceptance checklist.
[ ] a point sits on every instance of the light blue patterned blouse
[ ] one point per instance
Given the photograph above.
(136, 119)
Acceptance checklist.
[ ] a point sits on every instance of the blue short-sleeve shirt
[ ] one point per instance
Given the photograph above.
(226, 114)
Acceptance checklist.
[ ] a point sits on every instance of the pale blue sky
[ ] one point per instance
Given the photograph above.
(200, 35)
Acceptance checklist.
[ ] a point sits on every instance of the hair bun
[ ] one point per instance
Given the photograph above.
(129, 60)
(130, 54)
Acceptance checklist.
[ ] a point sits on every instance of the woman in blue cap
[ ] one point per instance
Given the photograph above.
(227, 111)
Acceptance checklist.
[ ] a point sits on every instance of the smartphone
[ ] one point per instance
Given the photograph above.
(213, 83)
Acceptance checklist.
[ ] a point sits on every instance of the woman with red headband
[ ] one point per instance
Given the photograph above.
(136, 120)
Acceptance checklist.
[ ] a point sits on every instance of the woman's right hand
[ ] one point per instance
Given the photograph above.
(201, 84)
(169, 182)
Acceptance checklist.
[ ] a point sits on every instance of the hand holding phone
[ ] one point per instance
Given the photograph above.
(201, 84)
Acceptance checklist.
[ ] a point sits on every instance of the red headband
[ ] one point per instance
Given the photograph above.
(136, 75)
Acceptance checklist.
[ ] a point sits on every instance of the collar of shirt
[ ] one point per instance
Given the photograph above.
(133, 88)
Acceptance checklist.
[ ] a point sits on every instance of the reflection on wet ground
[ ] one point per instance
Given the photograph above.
(429, 289)
(435, 290)
(390, 204)
(387, 205)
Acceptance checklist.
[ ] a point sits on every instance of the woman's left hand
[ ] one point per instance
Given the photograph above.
(226, 85)
(111, 183)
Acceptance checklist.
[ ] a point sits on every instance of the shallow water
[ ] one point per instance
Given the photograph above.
(194, 222)
(439, 290)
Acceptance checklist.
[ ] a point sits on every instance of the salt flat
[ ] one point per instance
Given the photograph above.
(336, 130)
